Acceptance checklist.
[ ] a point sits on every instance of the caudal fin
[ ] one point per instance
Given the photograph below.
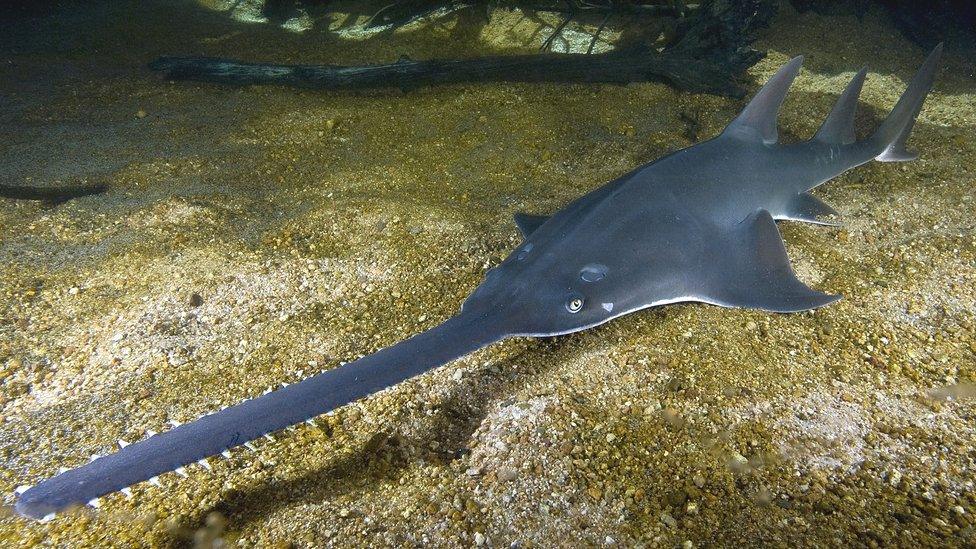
(894, 131)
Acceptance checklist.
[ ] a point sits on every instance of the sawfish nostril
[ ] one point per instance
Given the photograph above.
(594, 272)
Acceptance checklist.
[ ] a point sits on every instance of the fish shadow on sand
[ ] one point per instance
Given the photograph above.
(386, 454)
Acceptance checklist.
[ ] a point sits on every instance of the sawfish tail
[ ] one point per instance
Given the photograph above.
(237, 425)
(888, 143)
(892, 135)
(839, 150)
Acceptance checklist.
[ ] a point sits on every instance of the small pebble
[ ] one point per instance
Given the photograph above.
(738, 463)
(506, 474)
(668, 520)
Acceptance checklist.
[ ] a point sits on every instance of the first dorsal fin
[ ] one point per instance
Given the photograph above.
(758, 119)
(838, 128)
(528, 223)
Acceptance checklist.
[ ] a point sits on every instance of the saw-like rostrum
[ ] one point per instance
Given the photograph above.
(697, 225)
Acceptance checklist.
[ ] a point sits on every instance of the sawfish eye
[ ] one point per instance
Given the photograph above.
(575, 304)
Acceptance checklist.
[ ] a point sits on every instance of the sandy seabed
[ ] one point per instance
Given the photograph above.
(253, 236)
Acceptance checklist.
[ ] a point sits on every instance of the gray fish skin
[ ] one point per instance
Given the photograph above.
(697, 225)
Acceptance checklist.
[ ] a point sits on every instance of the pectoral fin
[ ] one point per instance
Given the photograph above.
(750, 269)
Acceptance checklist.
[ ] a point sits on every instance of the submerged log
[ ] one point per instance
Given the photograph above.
(684, 71)
(708, 48)
(50, 195)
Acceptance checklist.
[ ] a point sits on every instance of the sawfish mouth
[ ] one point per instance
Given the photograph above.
(218, 432)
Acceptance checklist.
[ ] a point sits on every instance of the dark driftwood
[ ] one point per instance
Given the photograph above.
(50, 195)
(708, 48)
(633, 65)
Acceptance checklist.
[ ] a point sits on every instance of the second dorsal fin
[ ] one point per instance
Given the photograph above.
(758, 119)
(838, 128)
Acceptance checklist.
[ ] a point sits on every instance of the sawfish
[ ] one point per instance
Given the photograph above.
(698, 225)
